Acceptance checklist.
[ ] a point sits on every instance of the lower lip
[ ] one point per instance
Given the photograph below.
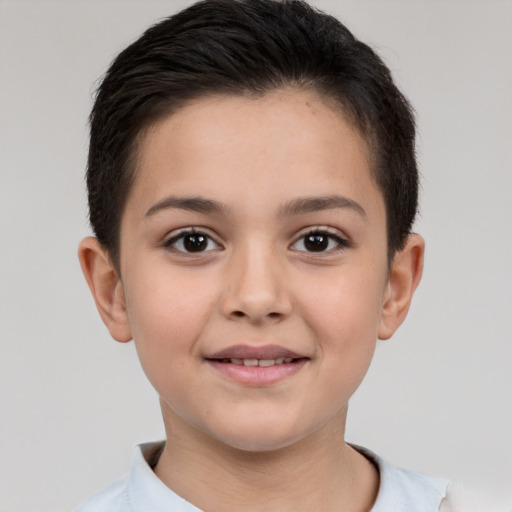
(258, 375)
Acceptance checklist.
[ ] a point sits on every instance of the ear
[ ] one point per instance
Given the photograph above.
(404, 277)
(106, 287)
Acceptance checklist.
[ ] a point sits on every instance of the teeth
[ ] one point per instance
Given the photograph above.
(260, 362)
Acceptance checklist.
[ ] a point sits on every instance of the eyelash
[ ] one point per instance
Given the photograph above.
(180, 238)
(341, 243)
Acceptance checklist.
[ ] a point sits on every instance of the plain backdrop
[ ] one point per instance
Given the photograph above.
(438, 395)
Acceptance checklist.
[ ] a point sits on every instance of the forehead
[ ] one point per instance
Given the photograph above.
(287, 142)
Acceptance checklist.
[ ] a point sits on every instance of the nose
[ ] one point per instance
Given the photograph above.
(256, 287)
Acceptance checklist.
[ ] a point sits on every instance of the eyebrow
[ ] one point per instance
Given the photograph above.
(192, 204)
(315, 204)
(297, 206)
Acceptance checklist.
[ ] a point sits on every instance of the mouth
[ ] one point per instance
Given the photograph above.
(259, 366)
(262, 363)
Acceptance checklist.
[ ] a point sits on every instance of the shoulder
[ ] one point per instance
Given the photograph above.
(402, 490)
(141, 490)
(112, 499)
(463, 499)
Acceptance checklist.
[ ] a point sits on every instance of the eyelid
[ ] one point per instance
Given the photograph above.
(180, 233)
(343, 242)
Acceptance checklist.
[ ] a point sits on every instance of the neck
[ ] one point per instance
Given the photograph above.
(318, 473)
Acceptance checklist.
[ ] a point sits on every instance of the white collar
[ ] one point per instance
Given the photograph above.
(399, 491)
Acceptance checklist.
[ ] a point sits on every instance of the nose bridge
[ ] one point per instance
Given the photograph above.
(256, 286)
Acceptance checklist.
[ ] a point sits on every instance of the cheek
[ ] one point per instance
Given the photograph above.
(166, 318)
(345, 309)
(344, 318)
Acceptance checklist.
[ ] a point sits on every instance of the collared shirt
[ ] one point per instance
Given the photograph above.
(141, 490)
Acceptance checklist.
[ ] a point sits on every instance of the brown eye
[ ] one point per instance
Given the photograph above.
(191, 242)
(319, 241)
(316, 242)
(195, 242)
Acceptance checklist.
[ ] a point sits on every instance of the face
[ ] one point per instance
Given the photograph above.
(254, 268)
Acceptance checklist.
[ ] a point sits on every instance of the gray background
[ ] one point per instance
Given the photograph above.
(438, 396)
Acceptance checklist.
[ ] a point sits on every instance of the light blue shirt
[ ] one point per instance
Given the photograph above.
(142, 491)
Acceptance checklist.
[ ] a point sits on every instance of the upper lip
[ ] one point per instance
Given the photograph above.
(261, 352)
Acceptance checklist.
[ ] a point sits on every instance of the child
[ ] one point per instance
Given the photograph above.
(252, 188)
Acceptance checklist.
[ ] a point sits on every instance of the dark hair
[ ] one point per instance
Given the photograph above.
(247, 47)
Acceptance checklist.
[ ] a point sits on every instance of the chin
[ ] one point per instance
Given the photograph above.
(260, 437)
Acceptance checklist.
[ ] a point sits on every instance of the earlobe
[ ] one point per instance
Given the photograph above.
(106, 288)
(404, 277)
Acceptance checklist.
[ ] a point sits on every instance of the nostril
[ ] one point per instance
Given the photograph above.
(241, 314)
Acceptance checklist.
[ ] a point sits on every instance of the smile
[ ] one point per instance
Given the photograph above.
(257, 366)
(258, 362)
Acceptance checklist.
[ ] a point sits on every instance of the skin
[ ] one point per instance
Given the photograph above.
(233, 445)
